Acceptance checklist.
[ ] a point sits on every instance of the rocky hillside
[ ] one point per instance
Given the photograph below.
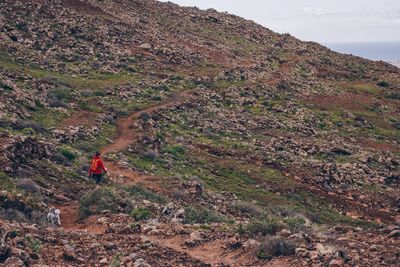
(227, 144)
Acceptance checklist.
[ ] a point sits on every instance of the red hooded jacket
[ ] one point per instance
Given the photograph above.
(97, 166)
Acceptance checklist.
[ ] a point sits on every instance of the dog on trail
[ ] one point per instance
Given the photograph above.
(54, 217)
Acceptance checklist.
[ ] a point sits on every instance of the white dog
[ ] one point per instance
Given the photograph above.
(54, 217)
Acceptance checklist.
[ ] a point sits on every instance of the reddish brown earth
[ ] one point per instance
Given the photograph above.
(80, 118)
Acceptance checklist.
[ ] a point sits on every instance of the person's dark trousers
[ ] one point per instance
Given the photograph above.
(97, 178)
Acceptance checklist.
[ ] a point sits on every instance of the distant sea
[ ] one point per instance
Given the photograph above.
(386, 51)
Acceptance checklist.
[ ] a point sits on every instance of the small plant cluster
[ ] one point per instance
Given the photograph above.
(275, 247)
(34, 244)
(140, 192)
(141, 214)
(98, 200)
(202, 215)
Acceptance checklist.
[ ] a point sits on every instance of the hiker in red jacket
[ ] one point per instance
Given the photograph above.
(97, 168)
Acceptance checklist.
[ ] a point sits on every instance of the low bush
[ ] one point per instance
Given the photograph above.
(264, 227)
(37, 127)
(247, 209)
(393, 95)
(149, 155)
(138, 191)
(116, 260)
(28, 131)
(60, 93)
(22, 26)
(87, 93)
(295, 223)
(87, 146)
(156, 98)
(110, 119)
(275, 247)
(98, 200)
(202, 215)
(57, 103)
(160, 87)
(384, 84)
(99, 93)
(141, 214)
(59, 158)
(67, 153)
(179, 195)
(28, 185)
(176, 150)
(34, 244)
(144, 116)
(6, 86)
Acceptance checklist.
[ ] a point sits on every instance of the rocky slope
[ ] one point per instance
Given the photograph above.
(227, 144)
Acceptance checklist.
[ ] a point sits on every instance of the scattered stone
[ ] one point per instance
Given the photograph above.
(14, 262)
(69, 253)
(285, 233)
(141, 263)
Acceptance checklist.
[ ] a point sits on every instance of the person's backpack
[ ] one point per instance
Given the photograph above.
(95, 165)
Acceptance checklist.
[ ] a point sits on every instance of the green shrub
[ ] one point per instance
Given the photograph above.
(96, 201)
(241, 230)
(34, 244)
(116, 260)
(144, 116)
(6, 182)
(60, 93)
(176, 150)
(202, 215)
(149, 155)
(395, 123)
(28, 131)
(99, 93)
(264, 227)
(394, 95)
(247, 209)
(6, 86)
(156, 98)
(140, 192)
(88, 147)
(22, 26)
(37, 127)
(160, 87)
(177, 78)
(295, 222)
(384, 84)
(67, 153)
(39, 104)
(275, 247)
(141, 214)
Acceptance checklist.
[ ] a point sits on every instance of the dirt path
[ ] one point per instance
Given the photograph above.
(213, 252)
(126, 135)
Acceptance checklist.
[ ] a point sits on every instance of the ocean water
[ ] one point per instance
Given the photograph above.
(386, 51)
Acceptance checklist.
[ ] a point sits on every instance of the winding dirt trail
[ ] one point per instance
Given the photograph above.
(126, 135)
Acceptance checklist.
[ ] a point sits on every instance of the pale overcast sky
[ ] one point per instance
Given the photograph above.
(323, 21)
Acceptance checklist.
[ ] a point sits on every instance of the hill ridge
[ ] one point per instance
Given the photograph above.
(227, 144)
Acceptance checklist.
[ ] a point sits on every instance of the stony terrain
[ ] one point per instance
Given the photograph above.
(227, 144)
